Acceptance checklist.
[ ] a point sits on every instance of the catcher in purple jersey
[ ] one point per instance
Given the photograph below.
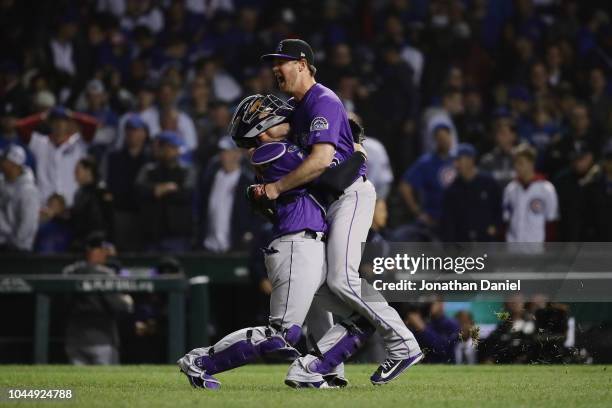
(320, 126)
(295, 260)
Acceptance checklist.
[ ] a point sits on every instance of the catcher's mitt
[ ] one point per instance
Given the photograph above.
(259, 201)
(357, 131)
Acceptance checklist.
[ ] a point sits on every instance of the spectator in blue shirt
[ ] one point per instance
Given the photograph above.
(423, 184)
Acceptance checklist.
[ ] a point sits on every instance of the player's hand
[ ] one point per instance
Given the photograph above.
(259, 201)
(357, 131)
(265, 286)
(271, 190)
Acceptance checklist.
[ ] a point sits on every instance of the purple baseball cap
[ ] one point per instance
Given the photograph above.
(292, 49)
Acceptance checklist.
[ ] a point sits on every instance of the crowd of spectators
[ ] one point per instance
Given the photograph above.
(494, 117)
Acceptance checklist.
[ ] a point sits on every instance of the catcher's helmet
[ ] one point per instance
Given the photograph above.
(256, 114)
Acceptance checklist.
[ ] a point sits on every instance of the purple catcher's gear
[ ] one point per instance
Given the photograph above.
(204, 381)
(240, 348)
(356, 334)
(268, 153)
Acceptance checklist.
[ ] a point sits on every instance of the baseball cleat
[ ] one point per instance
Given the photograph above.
(304, 384)
(391, 369)
(204, 381)
(335, 380)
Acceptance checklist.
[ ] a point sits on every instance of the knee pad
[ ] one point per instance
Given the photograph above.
(351, 335)
(245, 346)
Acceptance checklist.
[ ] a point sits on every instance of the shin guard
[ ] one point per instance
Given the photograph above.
(339, 344)
(245, 346)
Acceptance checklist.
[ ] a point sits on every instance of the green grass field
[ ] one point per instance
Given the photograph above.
(262, 386)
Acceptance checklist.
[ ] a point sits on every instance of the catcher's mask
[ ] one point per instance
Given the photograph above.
(254, 115)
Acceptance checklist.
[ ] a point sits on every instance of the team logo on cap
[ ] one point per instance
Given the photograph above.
(319, 123)
(280, 47)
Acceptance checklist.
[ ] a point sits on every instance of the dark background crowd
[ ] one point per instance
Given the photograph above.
(487, 120)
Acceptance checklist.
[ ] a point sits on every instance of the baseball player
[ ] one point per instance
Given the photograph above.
(295, 259)
(319, 126)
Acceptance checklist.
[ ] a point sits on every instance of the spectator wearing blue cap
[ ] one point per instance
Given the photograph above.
(471, 209)
(165, 190)
(58, 152)
(19, 201)
(144, 109)
(121, 169)
(423, 184)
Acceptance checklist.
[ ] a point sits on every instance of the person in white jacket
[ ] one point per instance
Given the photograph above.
(19, 201)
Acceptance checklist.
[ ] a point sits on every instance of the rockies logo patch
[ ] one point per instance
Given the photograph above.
(319, 123)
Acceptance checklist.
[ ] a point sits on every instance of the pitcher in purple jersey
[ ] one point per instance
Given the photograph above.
(320, 125)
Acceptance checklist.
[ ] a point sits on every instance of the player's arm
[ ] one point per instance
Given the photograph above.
(312, 167)
(337, 178)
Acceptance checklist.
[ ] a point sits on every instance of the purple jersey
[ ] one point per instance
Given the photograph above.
(296, 209)
(320, 117)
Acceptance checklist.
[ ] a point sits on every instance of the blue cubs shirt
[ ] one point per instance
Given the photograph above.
(429, 177)
(320, 117)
